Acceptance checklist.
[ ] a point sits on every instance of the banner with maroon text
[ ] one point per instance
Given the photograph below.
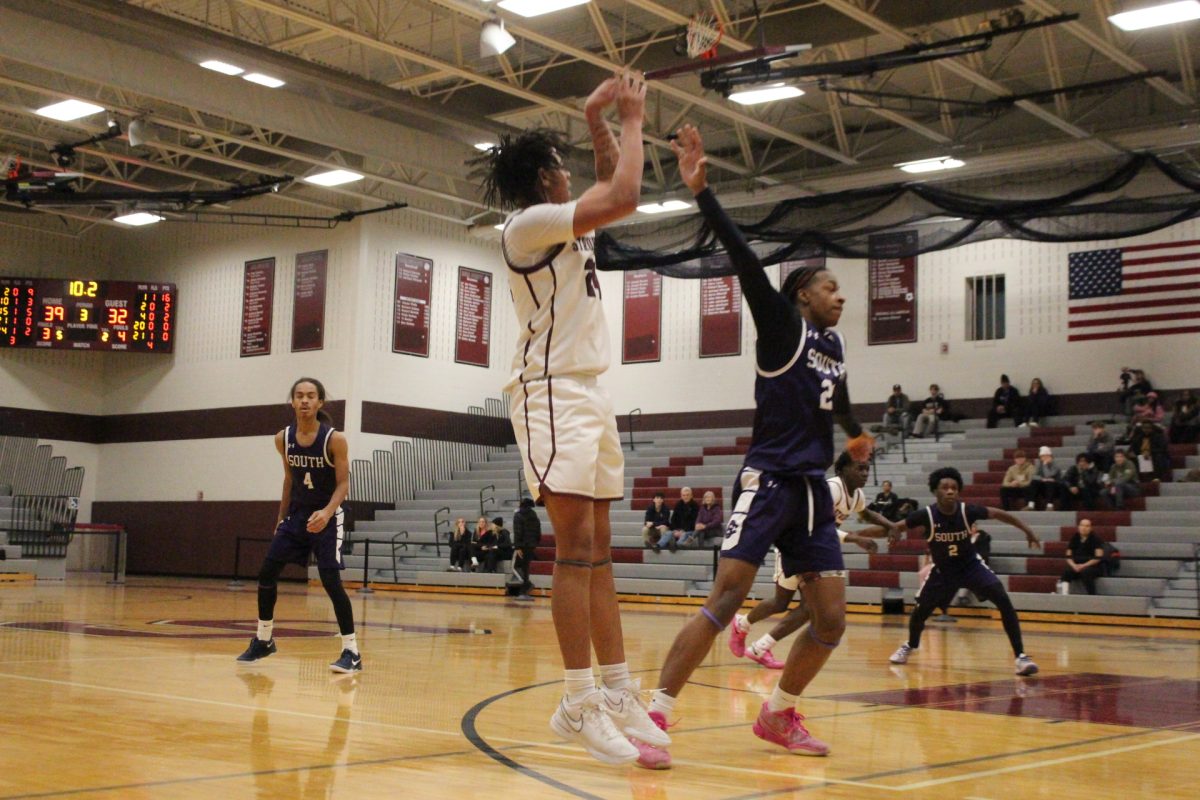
(410, 315)
(720, 317)
(308, 301)
(258, 296)
(473, 328)
(892, 288)
(642, 327)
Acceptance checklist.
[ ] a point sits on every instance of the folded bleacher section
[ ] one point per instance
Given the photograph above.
(39, 500)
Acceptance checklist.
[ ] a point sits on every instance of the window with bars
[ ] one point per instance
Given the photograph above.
(985, 308)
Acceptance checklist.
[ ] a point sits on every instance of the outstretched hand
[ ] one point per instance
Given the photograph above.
(602, 96)
(631, 96)
(693, 164)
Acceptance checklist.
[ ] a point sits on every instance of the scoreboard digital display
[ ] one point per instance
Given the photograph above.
(83, 314)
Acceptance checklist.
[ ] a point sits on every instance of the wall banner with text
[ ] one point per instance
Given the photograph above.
(308, 301)
(642, 327)
(258, 296)
(410, 316)
(892, 288)
(720, 317)
(473, 328)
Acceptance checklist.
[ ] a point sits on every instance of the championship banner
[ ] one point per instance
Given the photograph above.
(473, 328)
(892, 288)
(410, 314)
(720, 317)
(308, 301)
(642, 325)
(258, 295)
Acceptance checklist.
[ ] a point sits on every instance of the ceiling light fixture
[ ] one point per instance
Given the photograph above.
(484, 146)
(493, 39)
(535, 8)
(766, 94)
(68, 110)
(1153, 16)
(334, 177)
(930, 164)
(499, 226)
(138, 218)
(221, 67)
(263, 80)
(663, 207)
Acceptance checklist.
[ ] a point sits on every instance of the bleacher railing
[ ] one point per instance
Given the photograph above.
(411, 466)
(42, 525)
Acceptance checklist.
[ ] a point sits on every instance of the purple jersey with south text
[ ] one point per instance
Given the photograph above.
(314, 478)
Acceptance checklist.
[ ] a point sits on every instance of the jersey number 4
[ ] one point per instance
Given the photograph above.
(308, 480)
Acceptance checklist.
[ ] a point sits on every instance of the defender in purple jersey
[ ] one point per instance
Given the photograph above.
(316, 479)
(780, 496)
(947, 528)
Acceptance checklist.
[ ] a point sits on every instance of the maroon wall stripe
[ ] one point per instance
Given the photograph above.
(429, 423)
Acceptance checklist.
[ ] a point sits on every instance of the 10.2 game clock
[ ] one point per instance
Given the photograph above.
(84, 314)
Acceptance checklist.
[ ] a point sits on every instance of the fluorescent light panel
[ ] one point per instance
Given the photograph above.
(263, 80)
(484, 146)
(931, 164)
(68, 110)
(1153, 16)
(535, 8)
(765, 94)
(499, 226)
(334, 177)
(221, 67)
(138, 218)
(662, 208)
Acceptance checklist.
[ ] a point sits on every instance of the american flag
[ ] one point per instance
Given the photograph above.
(1145, 290)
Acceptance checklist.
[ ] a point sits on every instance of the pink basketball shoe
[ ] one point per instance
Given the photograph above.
(766, 658)
(649, 756)
(737, 639)
(786, 729)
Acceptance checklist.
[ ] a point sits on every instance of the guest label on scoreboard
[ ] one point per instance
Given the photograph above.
(86, 314)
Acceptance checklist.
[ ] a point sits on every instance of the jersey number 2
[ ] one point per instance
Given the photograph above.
(827, 388)
(308, 480)
(953, 550)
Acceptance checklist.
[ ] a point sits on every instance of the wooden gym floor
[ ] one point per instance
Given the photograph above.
(132, 692)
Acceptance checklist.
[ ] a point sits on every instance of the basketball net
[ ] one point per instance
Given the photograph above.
(704, 32)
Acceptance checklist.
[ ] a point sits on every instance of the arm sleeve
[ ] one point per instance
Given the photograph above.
(774, 317)
(533, 231)
(976, 513)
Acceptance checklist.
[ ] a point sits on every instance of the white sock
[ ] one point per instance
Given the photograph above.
(762, 645)
(580, 683)
(743, 623)
(781, 700)
(662, 702)
(265, 627)
(615, 677)
(350, 642)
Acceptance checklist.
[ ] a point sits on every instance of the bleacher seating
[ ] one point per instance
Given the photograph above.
(1155, 534)
(38, 502)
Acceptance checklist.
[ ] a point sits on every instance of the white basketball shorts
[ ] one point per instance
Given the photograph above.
(568, 437)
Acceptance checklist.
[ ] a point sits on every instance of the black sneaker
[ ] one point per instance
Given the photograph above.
(347, 662)
(257, 649)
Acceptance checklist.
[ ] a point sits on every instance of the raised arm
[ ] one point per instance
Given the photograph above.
(604, 143)
(1009, 519)
(613, 199)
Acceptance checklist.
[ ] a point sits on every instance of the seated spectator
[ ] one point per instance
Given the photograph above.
(1082, 483)
(1047, 480)
(1145, 409)
(932, 409)
(683, 519)
(1122, 480)
(1100, 446)
(481, 528)
(1037, 404)
(710, 522)
(896, 413)
(1018, 483)
(886, 503)
(527, 535)
(1133, 385)
(1085, 555)
(907, 506)
(1006, 404)
(460, 546)
(656, 522)
(1185, 419)
(487, 549)
(1148, 449)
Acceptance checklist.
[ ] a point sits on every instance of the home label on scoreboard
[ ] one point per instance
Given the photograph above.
(84, 314)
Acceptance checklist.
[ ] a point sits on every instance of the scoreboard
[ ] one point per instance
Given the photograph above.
(83, 314)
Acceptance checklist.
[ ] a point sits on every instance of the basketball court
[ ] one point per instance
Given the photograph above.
(132, 691)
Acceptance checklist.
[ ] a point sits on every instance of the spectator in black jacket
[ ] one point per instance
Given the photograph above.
(1037, 404)
(1085, 557)
(1100, 447)
(487, 549)
(886, 503)
(656, 524)
(1148, 449)
(527, 533)
(896, 409)
(1006, 403)
(1185, 419)
(460, 545)
(1134, 384)
(1082, 483)
(683, 517)
(932, 409)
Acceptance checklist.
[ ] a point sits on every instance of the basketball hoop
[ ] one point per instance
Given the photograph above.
(704, 32)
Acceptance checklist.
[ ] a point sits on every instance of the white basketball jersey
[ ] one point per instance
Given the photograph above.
(844, 505)
(555, 292)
